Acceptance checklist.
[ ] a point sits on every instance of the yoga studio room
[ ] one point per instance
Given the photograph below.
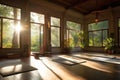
(59, 39)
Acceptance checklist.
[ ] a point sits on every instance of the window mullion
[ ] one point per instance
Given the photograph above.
(1, 31)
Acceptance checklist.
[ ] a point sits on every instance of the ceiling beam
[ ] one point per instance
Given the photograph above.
(78, 2)
(75, 4)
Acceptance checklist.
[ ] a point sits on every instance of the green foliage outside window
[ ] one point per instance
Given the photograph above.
(55, 37)
(74, 35)
(119, 22)
(97, 33)
(69, 43)
(8, 31)
(9, 26)
(0, 34)
(37, 18)
(6, 11)
(35, 37)
(73, 25)
(108, 43)
(55, 32)
(55, 21)
(78, 41)
(37, 21)
(119, 31)
(81, 39)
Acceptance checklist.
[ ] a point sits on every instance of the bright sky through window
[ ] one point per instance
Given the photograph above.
(18, 28)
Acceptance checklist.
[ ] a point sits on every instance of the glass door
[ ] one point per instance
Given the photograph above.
(36, 37)
(37, 23)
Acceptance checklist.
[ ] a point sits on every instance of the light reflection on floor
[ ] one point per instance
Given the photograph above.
(104, 58)
(91, 64)
(97, 66)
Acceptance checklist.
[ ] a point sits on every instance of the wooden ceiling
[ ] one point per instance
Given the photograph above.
(86, 6)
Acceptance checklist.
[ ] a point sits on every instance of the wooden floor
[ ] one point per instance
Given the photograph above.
(51, 70)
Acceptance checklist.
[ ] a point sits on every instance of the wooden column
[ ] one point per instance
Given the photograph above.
(25, 33)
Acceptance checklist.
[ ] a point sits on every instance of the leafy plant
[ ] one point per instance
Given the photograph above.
(108, 43)
(69, 43)
(77, 40)
(81, 37)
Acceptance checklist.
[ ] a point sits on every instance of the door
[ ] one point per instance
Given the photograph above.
(36, 37)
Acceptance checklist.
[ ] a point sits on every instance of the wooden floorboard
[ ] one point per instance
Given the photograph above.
(88, 70)
(43, 73)
(51, 70)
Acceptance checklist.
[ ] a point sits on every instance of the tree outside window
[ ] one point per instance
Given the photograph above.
(55, 32)
(119, 30)
(9, 27)
(72, 33)
(36, 22)
(97, 33)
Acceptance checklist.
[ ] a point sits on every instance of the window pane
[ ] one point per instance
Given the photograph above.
(119, 30)
(6, 11)
(37, 22)
(119, 36)
(90, 39)
(38, 18)
(98, 26)
(97, 33)
(90, 26)
(70, 38)
(70, 34)
(74, 37)
(0, 33)
(35, 37)
(55, 21)
(93, 26)
(10, 28)
(73, 25)
(105, 34)
(97, 38)
(119, 22)
(18, 13)
(11, 34)
(16, 35)
(41, 35)
(55, 32)
(55, 37)
(8, 31)
(103, 24)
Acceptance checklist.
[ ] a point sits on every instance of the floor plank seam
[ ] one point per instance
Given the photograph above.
(52, 71)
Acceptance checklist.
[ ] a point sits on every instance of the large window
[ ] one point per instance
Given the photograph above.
(72, 30)
(55, 32)
(9, 27)
(119, 30)
(97, 32)
(37, 23)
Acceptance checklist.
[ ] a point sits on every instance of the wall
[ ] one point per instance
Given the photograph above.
(49, 9)
(111, 14)
(42, 7)
(24, 37)
(54, 10)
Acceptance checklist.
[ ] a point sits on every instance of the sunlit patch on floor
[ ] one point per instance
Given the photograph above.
(103, 58)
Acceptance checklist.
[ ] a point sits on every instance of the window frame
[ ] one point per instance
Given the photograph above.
(68, 29)
(102, 31)
(119, 31)
(58, 27)
(13, 19)
(40, 28)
